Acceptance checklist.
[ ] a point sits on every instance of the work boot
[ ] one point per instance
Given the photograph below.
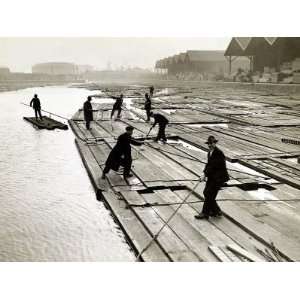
(202, 216)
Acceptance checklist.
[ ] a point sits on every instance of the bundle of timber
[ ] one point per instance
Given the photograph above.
(291, 141)
(46, 123)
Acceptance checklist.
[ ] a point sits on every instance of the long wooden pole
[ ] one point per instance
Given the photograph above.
(47, 112)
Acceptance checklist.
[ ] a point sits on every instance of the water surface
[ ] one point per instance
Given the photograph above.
(48, 208)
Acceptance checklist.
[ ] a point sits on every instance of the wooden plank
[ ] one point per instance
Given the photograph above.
(167, 239)
(76, 130)
(174, 170)
(219, 254)
(133, 198)
(282, 216)
(272, 173)
(209, 233)
(86, 133)
(101, 153)
(242, 252)
(93, 168)
(288, 247)
(135, 231)
(231, 229)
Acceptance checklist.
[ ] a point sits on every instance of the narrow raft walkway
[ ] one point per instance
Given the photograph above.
(46, 123)
(261, 202)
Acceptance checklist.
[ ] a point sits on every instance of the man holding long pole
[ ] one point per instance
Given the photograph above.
(216, 175)
(36, 104)
(121, 154)
(162, 122)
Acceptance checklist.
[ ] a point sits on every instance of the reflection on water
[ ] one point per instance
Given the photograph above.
(48, 209)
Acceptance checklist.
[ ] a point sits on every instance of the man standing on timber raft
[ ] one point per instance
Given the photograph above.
(88, 112)
(121, 154)
(216, 175)
(151, 90)
(36, 104)
(147, 106)
(117, 106)
(162, 122)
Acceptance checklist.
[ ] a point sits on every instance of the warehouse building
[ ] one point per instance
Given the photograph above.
(200, 63)
(55, 68)
(265, 52)
(4, 71)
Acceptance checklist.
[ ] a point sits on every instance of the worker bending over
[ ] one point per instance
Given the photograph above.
(121, 154)
(162, 122)
(117, 106)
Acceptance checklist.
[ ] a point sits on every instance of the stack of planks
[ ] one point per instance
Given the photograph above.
(165, 175)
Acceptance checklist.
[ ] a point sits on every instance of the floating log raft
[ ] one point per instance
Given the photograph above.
(46, 123)
(261, 202)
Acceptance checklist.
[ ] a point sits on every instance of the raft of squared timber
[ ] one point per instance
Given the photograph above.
(261, 203)
(46, 123)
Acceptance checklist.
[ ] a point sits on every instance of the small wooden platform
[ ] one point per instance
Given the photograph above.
(261, 202)
(46, 123)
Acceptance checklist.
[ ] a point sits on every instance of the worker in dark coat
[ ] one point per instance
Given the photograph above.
(215, 174)
(162, 122)
(117, 106)
(36, 104)
(88, 112)
(121, 154)
(147, 106)
(151, 90)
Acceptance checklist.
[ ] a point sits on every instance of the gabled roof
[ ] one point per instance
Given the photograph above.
(258, 44)
(271, 40)
(243, 41)
(240, 46)
(234, 48)
(207, 55)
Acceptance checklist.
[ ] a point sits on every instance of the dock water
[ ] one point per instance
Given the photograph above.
(261, 203)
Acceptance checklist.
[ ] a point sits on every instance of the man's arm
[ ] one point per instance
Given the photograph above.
(135, 142)
(155, 122)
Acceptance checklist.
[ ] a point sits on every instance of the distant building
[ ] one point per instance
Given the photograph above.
(81, 69)
(201, 62)
(264, 52)
(4, 71)
(55, 68)
(205, 61)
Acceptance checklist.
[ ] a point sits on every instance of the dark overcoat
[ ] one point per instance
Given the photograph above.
(118, 103)
(159, 119)
(121, 152)
(88, 111)
(35, 103)
(215, 169)
(148, 103)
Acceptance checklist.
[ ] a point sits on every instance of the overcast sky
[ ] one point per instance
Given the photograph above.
(19, 54)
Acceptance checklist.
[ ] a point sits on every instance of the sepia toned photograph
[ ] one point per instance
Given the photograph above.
(136, 149)
(149, 150)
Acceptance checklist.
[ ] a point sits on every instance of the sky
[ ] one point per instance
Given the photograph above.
(20, 53)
